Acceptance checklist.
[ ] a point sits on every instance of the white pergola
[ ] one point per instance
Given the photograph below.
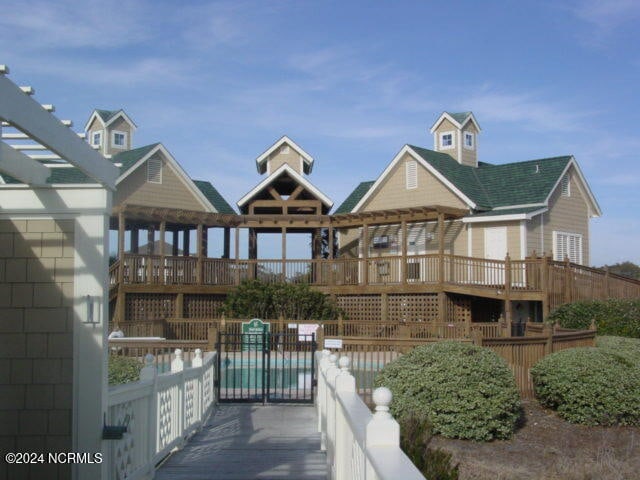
(34, 142)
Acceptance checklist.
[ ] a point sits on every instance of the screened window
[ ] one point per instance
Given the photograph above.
(381, 242)
(411, 171)
(567, 245)
(154, 170)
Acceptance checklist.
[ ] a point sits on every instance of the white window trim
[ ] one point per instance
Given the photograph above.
(453, 140)
(113, 139)
(473, 141)
(407, 166)
(99, 134)
(149, 164)
(570, 234)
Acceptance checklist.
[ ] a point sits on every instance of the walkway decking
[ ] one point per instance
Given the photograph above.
(246, 442)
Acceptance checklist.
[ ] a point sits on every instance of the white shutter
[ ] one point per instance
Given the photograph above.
(567, 245)
(411, 170)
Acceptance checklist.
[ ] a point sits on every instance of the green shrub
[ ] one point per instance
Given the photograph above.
(628, 347)
(255, 298)
(612, 317)
(415, 436)
(465, 391)
(123, 369)
(591, 386)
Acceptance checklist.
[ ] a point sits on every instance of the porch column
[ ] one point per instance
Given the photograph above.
(161, 249)
(253, 244)
(284, 254)
(174, 243)
(200, 244)
(365, 253)
(135, 239)
(226, 242)
(330, 240)
(442, 296)
(121, 300)
(403, 260)
(151, 233)
(237, 255)
(185, 241)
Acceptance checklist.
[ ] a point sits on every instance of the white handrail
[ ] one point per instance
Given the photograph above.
(359, 445)
(162, 410)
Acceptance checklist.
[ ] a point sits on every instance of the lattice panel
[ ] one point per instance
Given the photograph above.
(124, 449)
(149, 306)
(458, 308)
(415, 307)
(203, 306)
(366, 308)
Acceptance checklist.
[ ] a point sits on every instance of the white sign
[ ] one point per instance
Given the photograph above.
(305, 330)
(335, 343)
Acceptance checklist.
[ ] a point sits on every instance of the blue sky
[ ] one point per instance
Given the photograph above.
(351, 82)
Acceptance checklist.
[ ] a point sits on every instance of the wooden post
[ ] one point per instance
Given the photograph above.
(384, 307)
(547, 331)
(476, 337)
(212, 338)
(330, 239)
(340, 325)
(237, 254)
(544, 285)
(174, 243)
(200, 263)
(151, 237)
(284, 254)
(606, 282)
(507, 292)
(223, 324)
(281, 328)
(135, 240)
(403, 260)
(365, 253)
(567, 280)
(186, 239)
(226, 252)
(121, 230)
(163, 227)
(320, 337)
(179, 307)
(441, 248)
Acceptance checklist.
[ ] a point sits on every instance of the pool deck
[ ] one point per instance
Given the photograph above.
(247, 442)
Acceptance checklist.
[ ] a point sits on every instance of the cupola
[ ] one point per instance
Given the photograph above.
(457, 134)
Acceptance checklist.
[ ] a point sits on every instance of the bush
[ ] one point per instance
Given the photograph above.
(255, 298)
(612, 317)
(415, 436)
(628, 347)
(590, 386)
(123, 369)
(465, 391)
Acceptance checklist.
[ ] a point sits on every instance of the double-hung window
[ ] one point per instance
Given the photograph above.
(119, 139)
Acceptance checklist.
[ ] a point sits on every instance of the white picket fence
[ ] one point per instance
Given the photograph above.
(162, 410)
(359, 445)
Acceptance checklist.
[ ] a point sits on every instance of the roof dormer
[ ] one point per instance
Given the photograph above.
(110, 131)
(457, 135)
(284, 151)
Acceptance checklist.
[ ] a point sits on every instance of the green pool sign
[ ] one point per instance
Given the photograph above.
(252, 334)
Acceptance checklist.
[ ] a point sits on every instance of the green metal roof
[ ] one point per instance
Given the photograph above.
(130, 157)
(354, 197)
(217, 200)
(460, 117)
(106, 115)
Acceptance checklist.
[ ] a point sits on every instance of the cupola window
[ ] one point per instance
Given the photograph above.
(446, 140)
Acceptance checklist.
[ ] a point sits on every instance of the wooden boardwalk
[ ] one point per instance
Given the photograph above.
(247, 442)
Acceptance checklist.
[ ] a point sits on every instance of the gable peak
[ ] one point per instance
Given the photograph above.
(284, 151)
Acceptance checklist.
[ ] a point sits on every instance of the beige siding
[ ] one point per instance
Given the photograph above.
(393, 193)
(513, 238)
(535, 242)
(171, 193)
(568, 214)
(119, 125)
(96, 126)
(447, 126)
(277, 159)
(36, 341)
(467, 156)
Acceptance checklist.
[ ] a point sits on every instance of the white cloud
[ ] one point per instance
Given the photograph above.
(606, 15)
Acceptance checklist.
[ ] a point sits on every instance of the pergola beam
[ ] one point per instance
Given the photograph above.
(21, 167)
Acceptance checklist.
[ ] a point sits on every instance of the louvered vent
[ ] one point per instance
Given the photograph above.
(154, 170)
(412, 174)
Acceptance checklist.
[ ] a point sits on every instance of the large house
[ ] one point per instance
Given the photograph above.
(540, 205)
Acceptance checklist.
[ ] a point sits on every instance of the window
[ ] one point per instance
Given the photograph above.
(411, 171)
(567, 245)
(381, 242)
(566, 186)
(119, 139)
(469, 140)
(446, 140)
(154, 170)
(96, 139)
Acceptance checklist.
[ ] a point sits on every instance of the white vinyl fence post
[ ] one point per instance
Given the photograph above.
(197, 361)
(150, 373)
(320, 392)
(345, 383)
(331, 374)
(177, 364)
(382, 429)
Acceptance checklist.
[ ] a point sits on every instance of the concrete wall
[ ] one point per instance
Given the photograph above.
(36, 342)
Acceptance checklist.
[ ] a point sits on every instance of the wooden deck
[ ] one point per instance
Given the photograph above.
(243, 442)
